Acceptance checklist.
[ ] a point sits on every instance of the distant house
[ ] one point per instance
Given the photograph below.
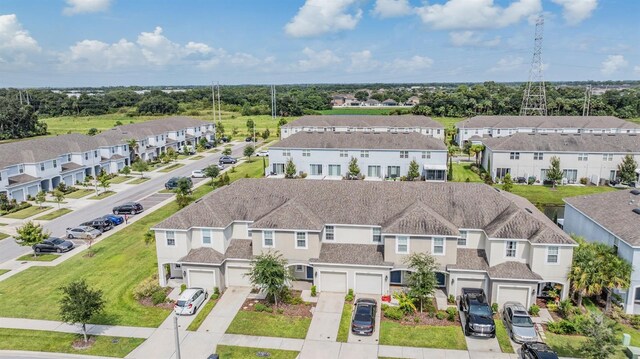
(389, 102)
(412, 101)
(371, 102)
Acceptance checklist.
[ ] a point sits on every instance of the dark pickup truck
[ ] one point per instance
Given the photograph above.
(477, 313)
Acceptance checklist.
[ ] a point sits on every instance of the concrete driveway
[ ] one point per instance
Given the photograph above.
(480, 344)
(225, 310)
(375, 337)
(326, 317)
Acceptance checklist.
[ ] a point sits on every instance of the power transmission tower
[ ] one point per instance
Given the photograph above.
(586, 107)
(219, 104)
(274, 112)
(534, 101)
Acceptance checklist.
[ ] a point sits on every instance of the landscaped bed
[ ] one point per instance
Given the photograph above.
(39, 257)
(27, 212)
(232, 352)
(54, 214)
(195, 158)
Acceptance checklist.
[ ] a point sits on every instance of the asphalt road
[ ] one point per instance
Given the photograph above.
(9, 249)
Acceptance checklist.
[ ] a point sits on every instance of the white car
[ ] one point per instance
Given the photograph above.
(83, 232)
(190, 300)
(262, 154)
(198, 174)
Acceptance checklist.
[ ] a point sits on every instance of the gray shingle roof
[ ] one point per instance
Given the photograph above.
(594, 122)
(70, 166)
(44, 148)
(361, 140)
(470, 259)
(21, 178)
(140, 130)
(203, 255)
(350, 253)
(366, 121)
(399, 205)
(613, 211)
(512, 270)
(239, 249)
(553, 142)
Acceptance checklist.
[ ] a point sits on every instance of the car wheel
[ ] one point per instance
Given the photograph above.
(37, 250)
(116, 212)
(493, 336)
(466, 331)
(195, 309)
(59, 250)
(133, 212)
(70, 236)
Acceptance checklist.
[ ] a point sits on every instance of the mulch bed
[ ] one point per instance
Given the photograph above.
(80, 344)
(147, 302)
(425, 318)
(290, 310)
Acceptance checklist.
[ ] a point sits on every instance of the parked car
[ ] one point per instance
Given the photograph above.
(100, 224)
(477, 313)
(220, 166)
(129, 207)
(251, 139)
(172, 183)
(225, 139)
(537, 350)
(518, 323)
(53, 244)
(209, 145)
(115, 220)
(262, 154)
(363, 321)
(227, 160)
(189, 301)
(198, 174)
(83, 232)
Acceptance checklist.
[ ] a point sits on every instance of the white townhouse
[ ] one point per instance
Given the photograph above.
(592, 156)
(380, 155)
(477, 128)
(358, 234)
(364, 123)
(612, 218)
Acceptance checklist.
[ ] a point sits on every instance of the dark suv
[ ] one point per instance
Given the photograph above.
(537, 350)
(477, 313)
(172, 183)
(129, 207)
(99, 223)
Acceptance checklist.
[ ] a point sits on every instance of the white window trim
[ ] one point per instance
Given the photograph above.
(306, 240)
(273, 240)
(373, 234)
(334, 233)
(166, 239)
(433, 246)
(546, 256)
(466, 239)
(397, 244)
(210, 236)
(506, 248)
(301, 270)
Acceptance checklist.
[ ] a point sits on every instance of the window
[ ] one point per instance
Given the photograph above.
(267, 239)
(498, 131)
(55, 163)
(328, 233)
(299, 268)
(156, 138)
(286, 153)
(377, 235)
(124, 148)
(171, 238)
(113, 150)
(301, 240)
(278, 168)
(426, 154)
(206, 236)
(42, 166)
(334, 170)
(607, 157)
(402, 244)
(95, 154)
(613, 175)
(364, 154)
(344, 153)
(68, 157)
(21, 168)
(570, 175)
(393, 171)
(462, 241)
(86, 156)
(501, 172)
(306, 153)
(511, 249)
(404, 154)
(583, 157)
(316, 170)
(373, 171)
(514, 155)
(438, 245)
(249, 233)
(538, 156)
(552, 254)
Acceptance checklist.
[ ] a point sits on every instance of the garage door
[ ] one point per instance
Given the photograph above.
(202, 279)
(18, 195)
(469, 283)
(368, 283)
(333, 282)
(513, 294)
(236, 277)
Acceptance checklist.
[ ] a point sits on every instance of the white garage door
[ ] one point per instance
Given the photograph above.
(202, 279)
(469, 283)
(333, 282)
(18, 195)
(368, 283)
(236, 277)
(513, 294)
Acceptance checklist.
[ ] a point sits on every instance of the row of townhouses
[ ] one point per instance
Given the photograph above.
(41, 164)
(342, 235)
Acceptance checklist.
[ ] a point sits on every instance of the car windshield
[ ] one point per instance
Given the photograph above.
(181, 303)
(57, 241)
(480, 310)
(363, 313)
(521, 321)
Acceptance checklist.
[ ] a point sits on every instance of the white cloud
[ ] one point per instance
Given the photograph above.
(98, 55)
(613, 63)
(471, 38)
(507, 64)
(636, 70)
(476, 14)
(85, 6)
(17, 47)
(317, 17)
(362, 61)
(415, 63)
(317, 60)
(575, 11)
(392, 8)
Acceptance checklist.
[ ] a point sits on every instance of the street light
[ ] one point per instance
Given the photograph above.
(175, 327)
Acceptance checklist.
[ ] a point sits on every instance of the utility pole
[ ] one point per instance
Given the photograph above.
(175, 327)
(534, 101)
(213, 112)
(586, 107)
(273, 102)
(219, 104)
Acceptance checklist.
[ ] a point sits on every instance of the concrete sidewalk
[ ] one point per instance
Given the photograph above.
(92, 329)
(225, 310)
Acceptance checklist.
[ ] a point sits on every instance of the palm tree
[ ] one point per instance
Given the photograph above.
(583, 274)
(616, 274)
(133, 148)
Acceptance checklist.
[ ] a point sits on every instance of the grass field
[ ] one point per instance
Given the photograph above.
(171, 167)
(345, 323)
(269, 325)
(3, 271)
(79, 193)
(3, 236)
(462, 171)
(425, 336)
(120, 179)
(202, 315)
(55, 342)
(503, 337)
(545, 196)
(54, 214)
(38, 258)
(102, 195)
(138, 180)
(195, 158)
(232, 352)
(27, 212)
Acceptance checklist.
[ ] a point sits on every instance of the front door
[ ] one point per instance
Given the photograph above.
(309, 273)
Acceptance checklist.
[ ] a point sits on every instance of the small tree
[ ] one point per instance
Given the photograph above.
(227, 151)
(125, 170)
(183, 190)
(476, 150)
(281, 122)
(450, 171)
(40, 198)
(290, 169)
(602, 337)
(265, 134)
(354, 169)
(185, 149)
(269, 272)
(92, 131)
(203, 142)
(30, 234)
(422, 281)
(507, 183)
(149, 237)
(59, 196)
(170, 153)
(248, 152)
(251, 125)
(212, 171)
(554, 173)
(104, 182)
(219, 130)
(140, 166)
(234, 131)
(627, 169)
(414, 170)
(79, 304)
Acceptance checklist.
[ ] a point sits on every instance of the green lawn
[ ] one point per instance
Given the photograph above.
(55, 342)
(102, 195)
(183, 157)
(27, 212)
(232, 352)
(269, 325)
(120, 179)
(503, 337)
(543, 195)
(82, 124)
(166, 191)
(3, 271)
(345, 323)
(197, 157)
(171, 167)
(39, 258)
(139, 180)
(425, 336)
(202, 315)
(569, 345)
(462, 171)
(79, 193)
(3, 236)
(54, 214)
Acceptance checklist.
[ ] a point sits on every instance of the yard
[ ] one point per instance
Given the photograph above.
(79, 193)
(39, 258)
(232, 352)
(462, 171)
(269, 325)
(27, 212)
(120, 179)
(425, 336)
(102, 195)
(139, 180)
(345, 323)
(503, 337)
(545, 196)
(54, 214)
(202, 315)
(3, 271)
(171, 167)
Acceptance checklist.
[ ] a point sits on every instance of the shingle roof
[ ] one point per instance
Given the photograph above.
(21, 178)
(122, 134)
(70, 166)
(239, 249)
(613, 211)
(512, 270)
(366, 121)
(555, 142)
(44, 148)
(203, 255)
(361, 140)
(470, 259)
(599, 122)
(350, 253)
(398, 205)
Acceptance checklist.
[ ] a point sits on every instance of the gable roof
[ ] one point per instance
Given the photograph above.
(351, 253)
(122, 134)
(599, 122)
(365, 120)
(556, 142)
(361, 140)
(44, 148)
(418, 208)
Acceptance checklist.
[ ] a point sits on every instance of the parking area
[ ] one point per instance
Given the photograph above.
(154, 199)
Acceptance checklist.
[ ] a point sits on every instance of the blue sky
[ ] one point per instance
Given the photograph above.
(168, 42)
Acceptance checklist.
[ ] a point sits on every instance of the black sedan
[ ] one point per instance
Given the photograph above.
(537, 350)
(227, 160)
(364, 317)
(53, 244)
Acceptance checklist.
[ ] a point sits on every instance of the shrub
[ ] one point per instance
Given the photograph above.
(295, 300)
(451, 299)
(552, 307)
(584, 180)
(182, 287)
(394, 313)
(452, 312)
(440, 315)
(280, 310)
(158, 297)
(534, 310)
(146, 288)
(216, 293)
(259, 307)
(348, 298)
(565, 308)
(405, 302)
(416, 319)
(494, 307)
(313, 291)
(635, 321)
(562, 326)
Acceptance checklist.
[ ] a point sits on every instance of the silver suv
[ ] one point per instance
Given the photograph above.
(518, 323)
